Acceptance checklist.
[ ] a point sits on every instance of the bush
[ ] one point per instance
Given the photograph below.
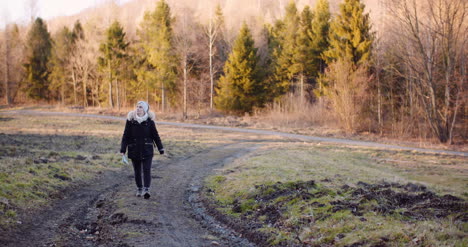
(347, 85)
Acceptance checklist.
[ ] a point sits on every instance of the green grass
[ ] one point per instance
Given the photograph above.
(273, 187)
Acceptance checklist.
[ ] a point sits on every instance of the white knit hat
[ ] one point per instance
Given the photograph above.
(144, 105)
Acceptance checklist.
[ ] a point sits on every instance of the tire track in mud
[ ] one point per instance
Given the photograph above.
(47, 227)
(168, 218)
(106, 212)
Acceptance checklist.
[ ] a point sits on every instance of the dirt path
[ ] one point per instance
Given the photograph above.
(168, 216)
(106, 212)
(260, 132)
(45, 227)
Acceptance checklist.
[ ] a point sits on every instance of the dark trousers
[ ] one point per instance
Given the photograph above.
(137, 168)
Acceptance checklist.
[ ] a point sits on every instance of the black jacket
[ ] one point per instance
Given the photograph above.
(140, 138)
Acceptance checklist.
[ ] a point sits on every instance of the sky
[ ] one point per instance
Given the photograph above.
(17, 10)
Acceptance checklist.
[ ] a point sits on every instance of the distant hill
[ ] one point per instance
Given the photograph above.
(235, 12)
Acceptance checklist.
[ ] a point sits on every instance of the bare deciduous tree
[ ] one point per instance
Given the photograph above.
(185, 43)
(211, 31)
(347, 92)
(83, 63)
(6, 70)
(11, 51)
(434, 36)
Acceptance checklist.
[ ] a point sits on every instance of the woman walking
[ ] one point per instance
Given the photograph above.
(140, 136)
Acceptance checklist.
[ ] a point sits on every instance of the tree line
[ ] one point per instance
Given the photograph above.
(406, 77)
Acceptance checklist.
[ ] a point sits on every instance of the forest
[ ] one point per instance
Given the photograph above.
(400, 72)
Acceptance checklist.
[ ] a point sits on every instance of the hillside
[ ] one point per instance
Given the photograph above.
(235, 11)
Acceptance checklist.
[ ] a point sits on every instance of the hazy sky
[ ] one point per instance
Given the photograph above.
(17, 10)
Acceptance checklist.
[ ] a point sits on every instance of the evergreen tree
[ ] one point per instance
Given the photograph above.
(240, 89)
(350, 35)
(346, 81)
(78, 32)
(144, 81)
(302, 60)
(38, 45)
(320, 33)
(113, 53)
(59, 63)
(287, 48)
(274, 37)
(221, 44)
(156, 35)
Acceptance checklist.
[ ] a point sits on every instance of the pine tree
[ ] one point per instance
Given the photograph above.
(157, 39)
(221, 44)
(113, 53)
(240, 89)
(59, 63)
(302, 62)
(346, 80)
(38, 45)
(140, 86)
(287, 47)
(320, 33)
(78, 32)
(320, 43)
(269, 62)
(350, 35)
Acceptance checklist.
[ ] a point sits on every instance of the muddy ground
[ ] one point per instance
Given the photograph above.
(410, 202)
(105, 211)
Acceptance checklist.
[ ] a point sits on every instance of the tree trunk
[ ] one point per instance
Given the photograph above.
(62, 93)
(85, 82)
(211, 77)
(74, 87)
(163, 97)
(185, 89)
(211, 36)
(118, 94)
(97, 92)
(379, 101)
(93, 95)
(302, 89)
(454, 118)
(211, 33)
(7, 69)
(111, 102)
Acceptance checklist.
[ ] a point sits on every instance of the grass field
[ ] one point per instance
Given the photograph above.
(319, 195)
(41, 156)
(291, 193)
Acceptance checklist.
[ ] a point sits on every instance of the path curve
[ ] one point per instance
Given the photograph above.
(254, 131)
(106, 213)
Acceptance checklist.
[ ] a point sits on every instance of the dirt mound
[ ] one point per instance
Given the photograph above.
(267, 207)
(270, 192)
(410, 200)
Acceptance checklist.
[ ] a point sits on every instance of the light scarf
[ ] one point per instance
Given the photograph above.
(141, 119)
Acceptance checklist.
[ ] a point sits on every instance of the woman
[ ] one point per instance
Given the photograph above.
(139, 136)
